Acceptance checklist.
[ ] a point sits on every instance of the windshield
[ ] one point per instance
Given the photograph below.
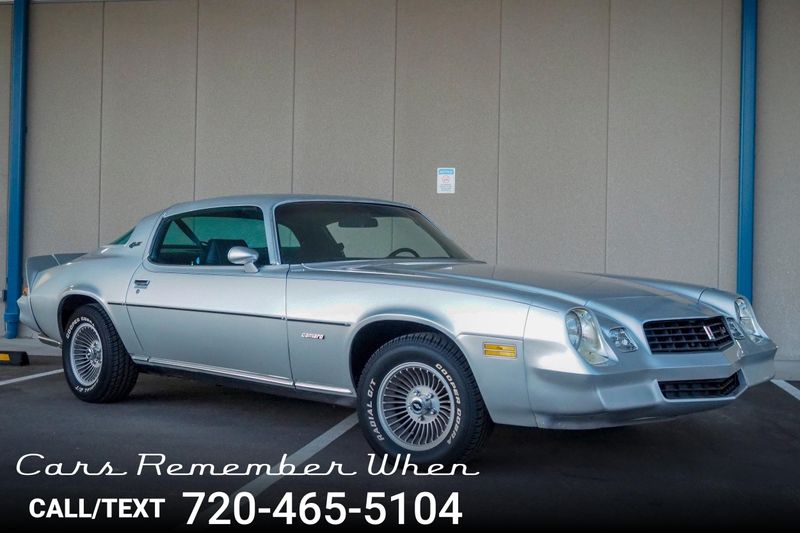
(312, 232)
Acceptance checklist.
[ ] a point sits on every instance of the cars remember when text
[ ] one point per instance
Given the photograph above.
(366, 303)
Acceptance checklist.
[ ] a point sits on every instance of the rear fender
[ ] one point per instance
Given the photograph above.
(39, 263)
(115, 311)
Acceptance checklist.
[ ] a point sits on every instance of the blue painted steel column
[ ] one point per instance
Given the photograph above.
(16, 163)
(747, 150)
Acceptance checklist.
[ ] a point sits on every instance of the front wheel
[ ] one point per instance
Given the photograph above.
(417, 396)
(97, 366)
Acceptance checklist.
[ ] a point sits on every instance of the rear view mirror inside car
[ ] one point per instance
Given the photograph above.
(358, 221)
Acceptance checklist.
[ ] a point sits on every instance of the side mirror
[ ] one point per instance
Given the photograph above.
(242, 255)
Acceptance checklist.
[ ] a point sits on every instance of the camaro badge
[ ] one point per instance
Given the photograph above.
(315, 336)
(710, 333)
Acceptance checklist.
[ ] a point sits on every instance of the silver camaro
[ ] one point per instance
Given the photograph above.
(366, 303)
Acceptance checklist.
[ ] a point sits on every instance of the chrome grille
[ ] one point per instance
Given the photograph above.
(688, 335)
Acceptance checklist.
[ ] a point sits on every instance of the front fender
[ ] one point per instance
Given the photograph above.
(417, 317)
(501, 380)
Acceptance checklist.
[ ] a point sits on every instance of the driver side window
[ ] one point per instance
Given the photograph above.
(203, 238)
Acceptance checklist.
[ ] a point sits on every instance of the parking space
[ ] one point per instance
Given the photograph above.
(188, 421)
(37, 365)
(735, 465)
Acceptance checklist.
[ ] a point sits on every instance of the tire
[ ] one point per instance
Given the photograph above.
(97, 366)
(417, 396)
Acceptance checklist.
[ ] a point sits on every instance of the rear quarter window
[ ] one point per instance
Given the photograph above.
(124, 238)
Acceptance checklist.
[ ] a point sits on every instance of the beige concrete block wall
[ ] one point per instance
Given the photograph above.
(149, 102)
(729, 143)
(62, 193)
(587, 134)
(344, 97)
(446, 112)
(664, 139)
(244, 97)
(554, 134)
(777, 231)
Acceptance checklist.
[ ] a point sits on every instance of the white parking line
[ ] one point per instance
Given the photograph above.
(788, 387)
(262, 483)
(33, 376)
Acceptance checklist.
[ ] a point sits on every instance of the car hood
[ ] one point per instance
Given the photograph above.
(577, 288)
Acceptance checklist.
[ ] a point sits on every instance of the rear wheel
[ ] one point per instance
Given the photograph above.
(417, 396)
(97, 366)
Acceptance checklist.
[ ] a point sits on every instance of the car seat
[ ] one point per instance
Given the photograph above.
(217, 254)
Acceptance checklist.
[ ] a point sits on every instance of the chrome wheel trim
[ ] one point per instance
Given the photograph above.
(86, 354)
(416, 406)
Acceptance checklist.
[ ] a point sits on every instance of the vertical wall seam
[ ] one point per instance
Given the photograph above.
(499, 96)
(294, 98)
(196, 83)
(100, 152)
(608, 132)
(719, 152)
(394, 103)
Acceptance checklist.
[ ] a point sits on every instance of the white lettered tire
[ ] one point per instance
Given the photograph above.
(417, 396)
(97, 366)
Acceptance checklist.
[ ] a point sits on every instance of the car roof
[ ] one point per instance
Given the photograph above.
(268, 201)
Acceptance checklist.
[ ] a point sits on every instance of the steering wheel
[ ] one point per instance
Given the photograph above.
(402, 251)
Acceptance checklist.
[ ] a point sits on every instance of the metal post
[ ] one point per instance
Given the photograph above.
(16, 164)
(747, 150)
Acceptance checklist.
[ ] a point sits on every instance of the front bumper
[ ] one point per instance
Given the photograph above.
(586, 397)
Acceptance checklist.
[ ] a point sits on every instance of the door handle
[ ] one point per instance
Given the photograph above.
(141, 283)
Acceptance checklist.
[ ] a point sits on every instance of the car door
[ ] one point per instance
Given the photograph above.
(191, 308)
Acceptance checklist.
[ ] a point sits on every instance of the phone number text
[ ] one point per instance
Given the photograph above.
(313, 508)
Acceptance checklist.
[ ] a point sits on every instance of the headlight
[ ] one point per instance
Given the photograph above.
(584, 334)
(747, 319)
(574, 330)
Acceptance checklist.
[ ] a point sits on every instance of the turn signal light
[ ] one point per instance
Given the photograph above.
(622, 341)
(499, 350)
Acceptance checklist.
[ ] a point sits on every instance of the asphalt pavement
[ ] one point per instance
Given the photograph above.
(734, 466)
